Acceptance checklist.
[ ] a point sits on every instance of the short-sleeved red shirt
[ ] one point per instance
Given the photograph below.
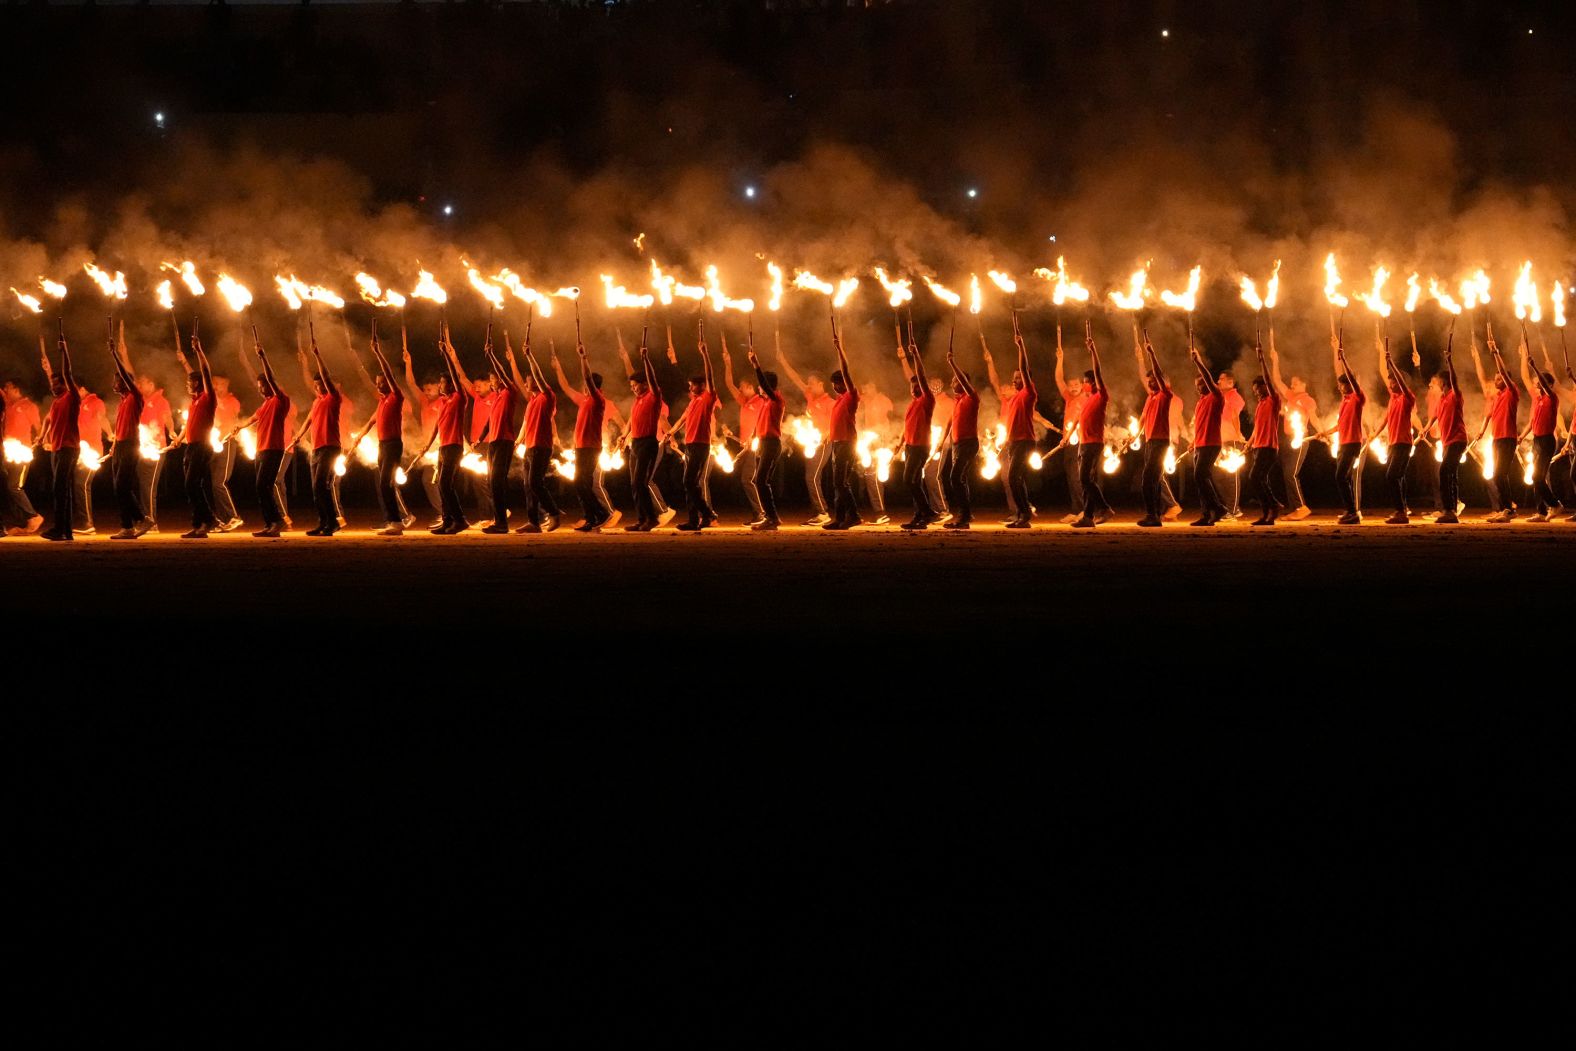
(1020, 414)
(1452, 424)
(1206, 420)
(769, 424)
(697, 417)
(539, 413)
(1502, 412)
(844, 412)
(324, 419)
(1545, 407)
(451, 418)
(501, 415)
(1091, 422)
(966, 418)
(1156, 422)
(1266, 428)
(916, 421)
(127, 414)
(1350, 424)
(588, 419)
(645, 413)
(199, 418)
(64, 429)
(1398, 418)
(390, 415)
(271, 421)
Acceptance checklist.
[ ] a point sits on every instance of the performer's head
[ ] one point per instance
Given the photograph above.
(697, 386)
(10, 390)
(318, 386)
(1088, 379)
(221, 384)
(381, 383)
(440, 386)
(747, 388)
(638, 385)
(815, 383)
(146, 385)
(119, 384)
(1343, 385)
(1227, 381)
(1017, 379)
(57, 384)
(1440, 382)
(1298, 384)
(1499, 381)
(1075, 386)
(957, 382)
(837, 382)
(1200, 385)
(771, 381)
(1261, 388)
(1547, 379)
(194, 383)
(915, 388)
(480, 387)
(1392, 384)
(531, 388)
(936, 385)
(596, 380)
(262, 385)
(1152, 382)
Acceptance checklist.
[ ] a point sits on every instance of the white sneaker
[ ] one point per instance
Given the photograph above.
(392, 529)
(667, 516)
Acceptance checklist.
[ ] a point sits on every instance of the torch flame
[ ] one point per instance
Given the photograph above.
(1185, 300)
(248, 438)
(807, 281)
(511, 280)
(164, 293)
(16, 452)
(237, 295)
(845, 288)
(1374, 299)
(31, 302)
(1414, 292)
(373, 292)
(1232, 460)
(52, 288)
(1299, 429)
(296, 291)
(1272, 289)
(1525, 296)
(618, 296)
(427, 287)
(112, 287)
(489, 291)
(1003, 282)
(1474, 290)
(1332, 283)
(806, 436)
(188, 273)
(287, 288)
(898, 290)
(1556, 298)
(724, 458)
(1062, 289)
(721, 302)
(1137, 290)
(662, 283)
(941, 292)
(1250, 294)
(776, 300)
(975, 297)
(1442, 297)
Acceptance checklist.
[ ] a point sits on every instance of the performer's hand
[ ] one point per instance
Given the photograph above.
(405, 355)
(580, 349)
(673, 356)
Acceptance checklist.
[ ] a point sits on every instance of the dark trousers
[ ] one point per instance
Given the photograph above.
(1542, 453)
(1450, 477)
(323, 487)
(1345, 465)
(1299, 458)
(588, 486)
(766, 462)
(128, 489)
(500, 454)
(221, 467)
(390, 453)
(914, 457)
(1089, 456)
(447, 473)
(538, 486)
(842, 463)
(148, 475)
(744, 466)
(21, 508)
(1395, 474)
(642, 469)
(428, 473)
(1504, 470)
(199, 483)
(955, 471)
(817, 477)
(268, 463)
(697, 471)
(63, 475)
(82, 508)
(1204, 457)
(1154, 463)
(1075, 497)
(1017, 472)
(1261, 475)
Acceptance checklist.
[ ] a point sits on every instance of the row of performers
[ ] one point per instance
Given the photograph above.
(480, 423)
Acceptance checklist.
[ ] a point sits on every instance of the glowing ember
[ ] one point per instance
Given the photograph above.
(1487, 451)
(164, 293)
(16, 452)
(1135, 434)
(427, 287)
(248, 440)
(775, 302)
(1525, 296)
(1187, 300)
(1380, 448)
(941, 292)
(1414, 292)
(565, 464)
(1171, 460)
(620, 297)
(1110, 460)
(1137, 291)
(1332, 283)
(1062, 289)
(1442, 297)
(990, 449)
(88, 458)
(113, 287)
(215, 440)
(897, 289)
(1036, 461)
(610, 461)
(373, 292)
(367, 450)
(30, 302)
(1003, 282)
(147, 448)
(474, 463)
(1374, 299)
(237, 295)
(339, 466)
(400, 477)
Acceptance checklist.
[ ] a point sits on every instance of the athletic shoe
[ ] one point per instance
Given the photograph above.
(1539, 518)
(408, 521)
(316, 532)
(15, 531)
(55, 536)
(269, 533)
(882, 520)
(666, 516)
(1232, 515)
(1104, 516)
(1149, 522)
(752, 523)
(612, 520)
(1069, 519)
(147, 525)
(937, 517)
(1205, 521)
(1498, 517)
(1446, 518)
(766, 525)
(34, 524)
(1018, 523)
(124, 534)
(838, 525)
(916, 524)
(529, 527)
(1349, 519)
(289, 522)
(392, 529)
(1173, 513)
(1084, 523)
(689, 527)
(199, 533)
(228, 526)
(1397, 519)
(496, 529)
(1302, 512)
(587, 527)
(549, 523)
(956, 523)
(1262, 522)
(438, 528)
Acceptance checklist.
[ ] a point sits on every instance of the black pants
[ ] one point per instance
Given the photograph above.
(1017, 472)
(390, 453)
(538, 483)
(697, 471)
(1261, 474)
(128, 489)
(588, 486)
(1089, 456)
(817, 478)
(1075, 497)
(1450, 477)
(1542, 453)
(82, 508)
(500, 454)
(199, 483)
(744, 466)
(323, 487)
(914, 457)
(1395, 474)
(955, 471)
(1504, 470)
(1299, 458)
(766, 462)
(643, 454)
(447, 473)
(221, 466)
(842, 464)
(148, 474)
(1149, 478)
(63, 475)
(1345, 464)
(1209, 501)
(268, 463)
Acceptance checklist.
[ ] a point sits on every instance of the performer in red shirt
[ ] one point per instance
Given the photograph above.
(591, 407)
(842, 429)
(92, 425)
(323, 422)
(198, 467)
(1452, 430)
(645, 418)
(818, 476)
(22, 423)
(697, 423)
(1264, 448)
(1398, 428)
(1296, 399)
(428, 397)
(1073, 393)
(1091, 439)
(1348, 429)
(388, 416)
(769, 434)
(61, 439)
(1501, 418)
(448, 430)
(751, 403)
(270, 421)
(499, 437)
(539, 434)
(1019, 411)
(1206, 442)
(1156, 426)
(916, 437)
(125, 452)
(1540, 427)
(964, 449)
(226, 414)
